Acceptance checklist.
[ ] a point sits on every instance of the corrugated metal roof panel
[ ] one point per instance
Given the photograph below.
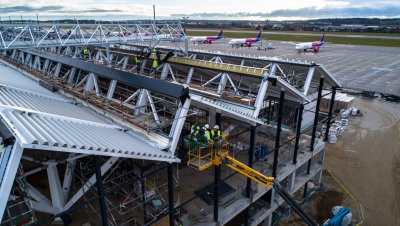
(11, 77)
(57, 133)
(51, 104)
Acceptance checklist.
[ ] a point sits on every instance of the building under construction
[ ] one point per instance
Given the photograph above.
(93, 131)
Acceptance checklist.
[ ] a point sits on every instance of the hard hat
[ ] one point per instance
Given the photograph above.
(206, 126)
(216, 127)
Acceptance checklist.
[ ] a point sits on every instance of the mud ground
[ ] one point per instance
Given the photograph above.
(366, 162)
(366, 159)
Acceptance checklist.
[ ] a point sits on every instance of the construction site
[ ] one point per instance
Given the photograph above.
(94, 133)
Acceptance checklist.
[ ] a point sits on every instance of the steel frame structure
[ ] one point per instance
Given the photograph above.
(209, 96)
(47, 35)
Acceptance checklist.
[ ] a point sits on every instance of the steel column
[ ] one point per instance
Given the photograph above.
(171, 194)
(314, 130)
(218, 173)
(111, 89)
(278, 132)
(143, 195)
(298, 131)
(250, 164)
(100, 192)
(9, 176)
(328, 123)
(217, 178)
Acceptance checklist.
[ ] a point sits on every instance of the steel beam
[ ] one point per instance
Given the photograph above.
(56, 192)
(156, 85)
(104, 168)
(263, 90)
(10, 170)
(177, 125)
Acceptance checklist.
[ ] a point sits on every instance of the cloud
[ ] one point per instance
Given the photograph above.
(25, 9)
(308, 12)
(53, 9)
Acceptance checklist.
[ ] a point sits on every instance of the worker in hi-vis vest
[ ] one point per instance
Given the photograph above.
(215, 132)
(138, 61)
(207, 133)
(154, 66)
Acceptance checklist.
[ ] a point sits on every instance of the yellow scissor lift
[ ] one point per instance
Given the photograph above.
(202, 157)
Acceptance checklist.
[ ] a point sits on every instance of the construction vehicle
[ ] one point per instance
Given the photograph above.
(201, 157)
(341, 216)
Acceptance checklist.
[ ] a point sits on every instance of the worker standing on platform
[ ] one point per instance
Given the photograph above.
(215, 133)
(207, 133)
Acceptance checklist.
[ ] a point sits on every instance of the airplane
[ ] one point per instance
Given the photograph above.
(311, 45)
(245, 41)
(206, 39)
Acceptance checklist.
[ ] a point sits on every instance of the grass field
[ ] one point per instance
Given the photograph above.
(302, 38)
(306, 32)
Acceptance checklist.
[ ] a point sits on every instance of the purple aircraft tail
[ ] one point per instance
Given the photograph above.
(220, 33)
(259, 36)
(322, 38)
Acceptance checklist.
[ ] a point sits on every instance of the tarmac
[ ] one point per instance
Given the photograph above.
(355, 35)
(357, 67)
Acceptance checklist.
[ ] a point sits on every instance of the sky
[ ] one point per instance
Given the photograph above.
(200, 9)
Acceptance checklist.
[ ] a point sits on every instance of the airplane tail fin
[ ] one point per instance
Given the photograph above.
(259, 35)
(183, 33)
(220, 33)
(322, 38)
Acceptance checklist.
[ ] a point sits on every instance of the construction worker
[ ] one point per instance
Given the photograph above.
(85, 53)
(138, 60)
(154, 66)
(207, 133)
(215, 132)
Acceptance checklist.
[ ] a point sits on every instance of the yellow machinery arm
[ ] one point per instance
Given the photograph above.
(248, 171)
(203, 158)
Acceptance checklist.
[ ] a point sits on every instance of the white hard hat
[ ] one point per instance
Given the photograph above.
(216, 127)
(207, 126)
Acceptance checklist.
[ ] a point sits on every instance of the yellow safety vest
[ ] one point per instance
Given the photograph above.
(85, 51)
(207, 134)
(155, 64)
(196, 130)
(218, 133)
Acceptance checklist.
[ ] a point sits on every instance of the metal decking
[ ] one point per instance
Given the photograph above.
(55, 133)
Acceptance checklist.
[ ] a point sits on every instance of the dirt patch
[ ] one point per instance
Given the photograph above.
(325, 201)
(366, 160)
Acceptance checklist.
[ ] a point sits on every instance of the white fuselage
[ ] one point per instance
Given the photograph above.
(304, 45)
(237, 41)
(198, 39)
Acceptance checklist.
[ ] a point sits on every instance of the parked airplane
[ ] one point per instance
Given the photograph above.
(206, 39)
(311, 45)
(245, 41)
